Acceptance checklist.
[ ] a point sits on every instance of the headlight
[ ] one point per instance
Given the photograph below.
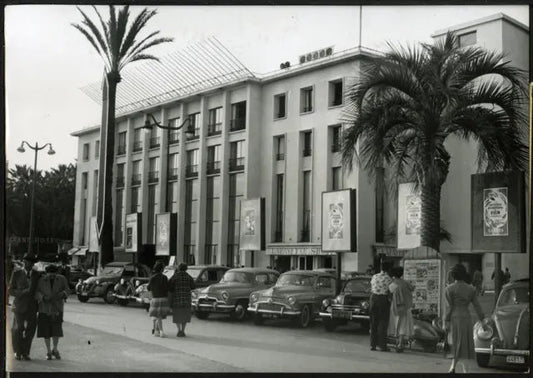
(194, 294)
(291, 300)
(98, 282)
(122, 280)
(365, 304)
(484, 334)
(253, 297)
(326, 302)
(137, 283)
(225, 295)
(139, 290)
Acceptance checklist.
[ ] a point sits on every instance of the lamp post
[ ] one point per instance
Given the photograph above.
(35, 148)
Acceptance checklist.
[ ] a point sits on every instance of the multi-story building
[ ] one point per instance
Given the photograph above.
(275, 136)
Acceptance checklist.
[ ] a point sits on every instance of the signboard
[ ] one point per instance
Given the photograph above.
(338, 221)
(425, 276)
(498, 212)
(409, 216)
(312, 250)
(93, 235)
(133, 232)
(252, 235)
(165, 234)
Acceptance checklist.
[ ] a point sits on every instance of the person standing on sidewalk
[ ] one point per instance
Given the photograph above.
(401, 320)
(22, 285)
(379, 308)
(51, 293)
(180, 285)
(159, 309)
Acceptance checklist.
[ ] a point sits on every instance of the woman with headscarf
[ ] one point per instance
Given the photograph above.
(400, 320)
(159, 309)
(51, 292)
(180, 286)
(459, 295)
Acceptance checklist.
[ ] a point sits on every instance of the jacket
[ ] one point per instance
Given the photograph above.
(56, 294)
(23, 289)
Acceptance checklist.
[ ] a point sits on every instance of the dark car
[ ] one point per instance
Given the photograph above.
(507, 331)
(230, 295)
(298, 294)
(103, 284)
(350, 305)
(76, 274)
(203, 276)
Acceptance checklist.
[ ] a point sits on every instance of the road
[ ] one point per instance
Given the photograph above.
(102, 337)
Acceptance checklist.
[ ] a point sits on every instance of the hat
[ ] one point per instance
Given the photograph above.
(30, 257)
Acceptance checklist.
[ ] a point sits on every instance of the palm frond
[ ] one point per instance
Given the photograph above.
(98, 42)
(136, 26)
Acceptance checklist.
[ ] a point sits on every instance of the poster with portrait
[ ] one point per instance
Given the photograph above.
(409, 216)
(338, 221)
(133, 232)
(252, 235)
(93, 235)
(165, 234)
(424, 275)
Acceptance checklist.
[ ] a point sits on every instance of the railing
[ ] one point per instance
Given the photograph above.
(121, 149)
(137, 146)
(214, 129)
(173, 174)
(153, 177)
(236, 164)
(154, 142)
(213, 167)
(307, 152)
(196, 134)
(336, 101)
(307, 108)
(120, 182)
(336, 147)
(173, 138)
(280, 114)
(191, 170)
(280, 156)
(136, 179)
(237, 124)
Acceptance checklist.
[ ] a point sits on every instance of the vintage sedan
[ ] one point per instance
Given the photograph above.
(230, 295)
(103, 284)
(351, 305)
(507, 331)
(298, 295)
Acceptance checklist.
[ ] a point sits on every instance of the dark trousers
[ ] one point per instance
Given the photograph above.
(22, 331)
(379, 320)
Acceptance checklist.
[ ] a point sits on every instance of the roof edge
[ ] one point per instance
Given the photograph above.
(480, 21)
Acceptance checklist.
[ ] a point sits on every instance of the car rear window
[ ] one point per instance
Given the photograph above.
(295, 279)
(513, 296)
(241, 277)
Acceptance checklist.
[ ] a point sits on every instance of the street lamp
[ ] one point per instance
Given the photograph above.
(189, 132)
(36, 148)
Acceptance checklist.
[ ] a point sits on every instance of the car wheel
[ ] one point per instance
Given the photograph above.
(240, 311)
(83, 298)
(329, 325)
(304, 320)
(201, 314)
(482, 359)
(109, 298)
(258, 319)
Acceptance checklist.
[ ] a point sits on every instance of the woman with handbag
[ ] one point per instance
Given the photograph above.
(400, 319)
(159, 309)
(51, 293)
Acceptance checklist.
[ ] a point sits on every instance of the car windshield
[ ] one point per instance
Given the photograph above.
(194, 272)
(514, 296)
(237, 277)
(357, 286)
(295, 279)
(109, 270)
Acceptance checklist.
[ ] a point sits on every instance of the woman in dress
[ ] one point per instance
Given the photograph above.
(159, 309)
(50, 293)
(180, 286)
(400, 320)
(459, 295)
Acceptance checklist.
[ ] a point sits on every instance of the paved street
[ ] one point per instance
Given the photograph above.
(102, 337)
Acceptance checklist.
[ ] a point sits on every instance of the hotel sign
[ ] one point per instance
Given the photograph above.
(296, 250)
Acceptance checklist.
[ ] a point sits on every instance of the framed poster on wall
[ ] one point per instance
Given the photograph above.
(409, 216)
(133, 232)
(252, 232)
(425, 276)
(339, 221)
(165, 234)
(93, 235)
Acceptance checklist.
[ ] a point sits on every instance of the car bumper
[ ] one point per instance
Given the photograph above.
(503, 352)
(215, 307)
(142, 300)
(283, 311)
(352, 316)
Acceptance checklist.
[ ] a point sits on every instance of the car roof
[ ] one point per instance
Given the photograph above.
(253, 270)
(524, 282)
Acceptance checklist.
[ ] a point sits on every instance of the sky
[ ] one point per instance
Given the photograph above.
(48, 61)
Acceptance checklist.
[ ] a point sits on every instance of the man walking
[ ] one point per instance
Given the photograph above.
(22, 285)
(379, 308)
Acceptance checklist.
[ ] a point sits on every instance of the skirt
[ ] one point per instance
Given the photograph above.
(50, 325)
(159, 308)
(181, 315)
(401, 325)
(462, 340)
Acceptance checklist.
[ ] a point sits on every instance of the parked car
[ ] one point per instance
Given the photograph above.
(230, 295)
(77, 273)
(507, 331)
(125, 290)
(103, 284)
(351, 305)
(203, 275)
(298, 294)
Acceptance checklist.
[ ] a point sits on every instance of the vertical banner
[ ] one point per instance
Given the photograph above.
(409, 216)
(93, 235)
(338, 221)
(498, 212)
(252, 224)
(425, 276)
(133, 232)
(165, 234)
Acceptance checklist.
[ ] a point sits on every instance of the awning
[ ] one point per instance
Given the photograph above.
(78, 251)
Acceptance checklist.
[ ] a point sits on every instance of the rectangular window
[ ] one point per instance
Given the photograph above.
(213, 159)
(236, 162)
(192, 163)
(121, 143)
(236, 193)
(153, 170)
(97, 150)
(238, 116)
(278, 229)
(212, 219)
(306, 100)
(191, 210)
(173, 135)
(336, 141)
(194, 125)
(336, 178)
(154, 137)
(214, 126)
(280, 103)
(136, 174)
(380, 199)
(173, 166)
(172, 197)
(83, 214)
(120, 175)
(335, 93)
(307, 142)
(135, 200)
(86, 151)
(118, 217)
(95, 192)
(279, 142)
(151, 213)
(306, 214)
(137, 140)
(467, 39)
(84, 178)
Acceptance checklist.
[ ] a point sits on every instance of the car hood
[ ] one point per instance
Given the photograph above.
(285, 291)
(225, 286)
(110, 278)
(508, 319)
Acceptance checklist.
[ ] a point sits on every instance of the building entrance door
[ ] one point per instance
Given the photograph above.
(305, 263)
(282, 263)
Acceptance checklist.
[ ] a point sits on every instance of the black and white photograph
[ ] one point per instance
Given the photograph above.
(271, 188)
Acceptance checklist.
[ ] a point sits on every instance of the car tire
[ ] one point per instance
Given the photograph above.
(329, 325)
(201, 314)
(109, 298)
(258, 319)
(305, 318)
(240, 311)
(482, 359)
(83, 298)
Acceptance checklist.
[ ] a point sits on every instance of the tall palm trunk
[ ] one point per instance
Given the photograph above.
(430, 215)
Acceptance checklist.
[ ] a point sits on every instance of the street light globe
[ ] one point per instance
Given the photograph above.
(51, 151)
(21, 149)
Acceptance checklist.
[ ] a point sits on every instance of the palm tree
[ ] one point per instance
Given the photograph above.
(116, 42)
(409, 100)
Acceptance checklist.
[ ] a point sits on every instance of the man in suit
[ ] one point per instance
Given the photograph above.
(22, 285)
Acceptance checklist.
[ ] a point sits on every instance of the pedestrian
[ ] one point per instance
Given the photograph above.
(51, 293)
(180, 285)
(22, 285)
(64, 269)
(477, 281)
(401, 320)
(159, 308)
(370, 270)
(379, 308)
(506, 276)
(459, 295)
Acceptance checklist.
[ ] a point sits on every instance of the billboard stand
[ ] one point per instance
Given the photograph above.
(252, 228)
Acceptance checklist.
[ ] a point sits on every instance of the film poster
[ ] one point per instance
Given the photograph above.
(495, 212)
(424, 275)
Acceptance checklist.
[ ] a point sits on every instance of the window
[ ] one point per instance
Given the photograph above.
(120, 175)
(151, 213)
(137, 142)
(172, 197)
(380, 199)
(335, 93)
(154, 137)
(307, 143)
(236, 192)
(135, 200)
(121, 145)
(84, 179)
(236, 161)
(153, 170)
(173, 136)
(97, 150)
(95, 191)
(336, 134)
(278, 230)
(85, 151)
(136, 173)
(118, 217)
(280, 147)
(306, 207)
(213, 159)
(214, 126)
(194, 125)
(173, 166)
(238, 116)
(191, 169)
(325, 283)
(467, 39)
(336, 178)
(191, 214)
(212, 219)
(280, 102)
(306, 100)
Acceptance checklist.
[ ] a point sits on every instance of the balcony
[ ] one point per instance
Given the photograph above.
(214, 129)
(173, 138)
(121, 149)
(137, 146)
(236, 164)
(154, 142)
(237, 124)
(307, 152)
(336, 147)
(191, 170)
(120, 182)
(196, 134)
(213, 167)
(280, 156)
(172, 174)
(153, 177)
(136, 179)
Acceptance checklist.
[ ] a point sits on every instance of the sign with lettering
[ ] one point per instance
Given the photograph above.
(312, 250)
(165, 234)
(425, 276)
(133, 232)
(338, 221)
(93, 235)
(252, 236)
(409, 216)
